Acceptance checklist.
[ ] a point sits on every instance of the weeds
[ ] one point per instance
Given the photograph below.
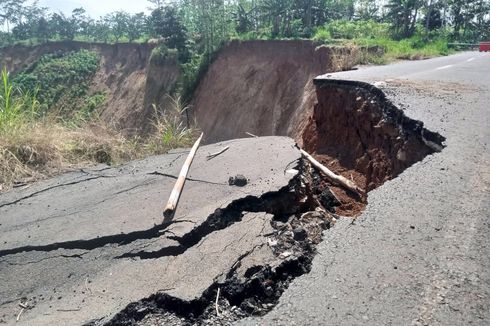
(34, 146)
(15, 105)
(377, 47)
(170, 129)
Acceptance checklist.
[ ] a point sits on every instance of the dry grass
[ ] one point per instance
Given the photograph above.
(33, 150)
(33, 146)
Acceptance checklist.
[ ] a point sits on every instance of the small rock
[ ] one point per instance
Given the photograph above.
(328, 200)
(271, 242)
(300, 234)
(239, 181)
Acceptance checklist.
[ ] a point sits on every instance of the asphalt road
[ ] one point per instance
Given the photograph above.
(79, 248)
(419, 254)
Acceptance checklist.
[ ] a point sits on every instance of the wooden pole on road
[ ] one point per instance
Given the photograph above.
(169, 211)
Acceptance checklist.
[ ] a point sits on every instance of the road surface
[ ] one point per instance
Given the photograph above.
(79, 248)
(420, 253)
(84, 246)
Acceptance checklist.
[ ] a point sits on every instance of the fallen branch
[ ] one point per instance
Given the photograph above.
(211, 156)
(20, 313)
(334, 178)
(169, 210)
(252, 135)
(216, 302)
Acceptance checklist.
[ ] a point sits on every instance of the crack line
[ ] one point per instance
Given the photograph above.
(53, 187)
(189, 179)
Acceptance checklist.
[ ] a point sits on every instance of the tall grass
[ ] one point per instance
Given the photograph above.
(171, 131)
(34, 146)
(378, 46)
(16, 106)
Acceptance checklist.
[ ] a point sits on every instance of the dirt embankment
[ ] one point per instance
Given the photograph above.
(127, 77)
(357, 132)
(263, 87)
(268, 88)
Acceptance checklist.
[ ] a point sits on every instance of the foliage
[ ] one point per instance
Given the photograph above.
(357, 29)
(34, 146)
(170, 129)
(412, 48)
(16, 105)
(165, 23)
(61, 79)
(193, 71)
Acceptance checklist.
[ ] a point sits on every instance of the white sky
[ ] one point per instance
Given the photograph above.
(96, 8)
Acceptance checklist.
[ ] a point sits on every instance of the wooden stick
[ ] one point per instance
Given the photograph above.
(252, 135)
(334, 178)
(20, 313)
(216, 303)
(169, 210)
(211, 156)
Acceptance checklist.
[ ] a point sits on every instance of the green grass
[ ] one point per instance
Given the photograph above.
(376, 44)
(406, 49)
(16, 106)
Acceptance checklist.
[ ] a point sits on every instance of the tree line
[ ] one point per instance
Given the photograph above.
(207, 23)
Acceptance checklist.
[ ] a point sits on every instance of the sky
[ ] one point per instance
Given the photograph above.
(96, 8)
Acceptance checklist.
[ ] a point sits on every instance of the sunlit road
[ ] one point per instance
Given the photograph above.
(420, 254)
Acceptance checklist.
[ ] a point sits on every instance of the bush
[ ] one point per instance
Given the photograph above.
(356, 29)
(322, 35)
(62, 80)
(160, 54)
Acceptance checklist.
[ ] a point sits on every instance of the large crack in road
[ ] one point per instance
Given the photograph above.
(230, 252)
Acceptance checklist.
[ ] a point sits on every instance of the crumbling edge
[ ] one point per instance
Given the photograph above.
(391, 113)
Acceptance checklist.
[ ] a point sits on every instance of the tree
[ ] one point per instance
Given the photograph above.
(243, 19)
(367, 10)
(136, 26)
(43, 31)
(403, 15)
(9, 11)
(63, 26)
(166, 23)
(101, 30)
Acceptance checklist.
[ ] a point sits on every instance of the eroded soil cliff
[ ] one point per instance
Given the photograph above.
(129, 80)
(264, 87)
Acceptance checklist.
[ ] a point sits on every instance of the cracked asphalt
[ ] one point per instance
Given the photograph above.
(420, 253)
(79, 248)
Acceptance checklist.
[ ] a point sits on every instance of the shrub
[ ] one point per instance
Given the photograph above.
(356, 29)
(170, 129)
(61, 79)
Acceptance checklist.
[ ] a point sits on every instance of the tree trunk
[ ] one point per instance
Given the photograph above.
(427, 20)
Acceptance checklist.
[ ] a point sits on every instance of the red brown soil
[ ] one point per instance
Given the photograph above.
(361, 136)
(266, 88)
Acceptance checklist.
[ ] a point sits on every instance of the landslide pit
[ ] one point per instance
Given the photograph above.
(271, 88)
(351, 127)
(128, 77)
(264, 88)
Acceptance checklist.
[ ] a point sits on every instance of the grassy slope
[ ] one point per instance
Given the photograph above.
(48, 122)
